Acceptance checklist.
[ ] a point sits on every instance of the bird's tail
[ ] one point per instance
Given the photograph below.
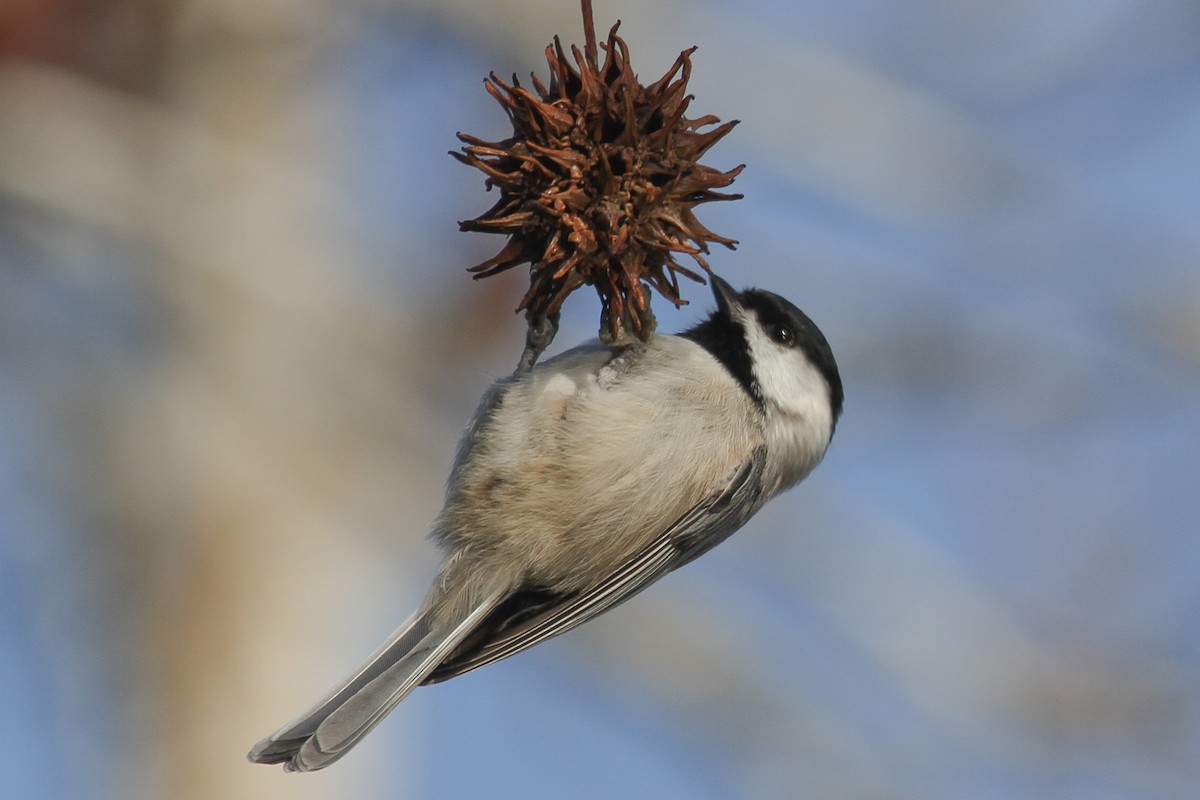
(326, 732)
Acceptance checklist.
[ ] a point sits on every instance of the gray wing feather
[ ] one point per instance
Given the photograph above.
(697, 531)
(415, 652)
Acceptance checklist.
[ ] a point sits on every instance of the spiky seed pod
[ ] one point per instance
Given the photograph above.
(598, 183)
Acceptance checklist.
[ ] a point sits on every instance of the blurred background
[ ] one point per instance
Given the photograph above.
(237, 345)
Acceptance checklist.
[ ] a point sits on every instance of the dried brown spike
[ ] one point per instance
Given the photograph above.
(598, 182)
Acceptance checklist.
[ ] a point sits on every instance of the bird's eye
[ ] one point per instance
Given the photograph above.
(782, 334)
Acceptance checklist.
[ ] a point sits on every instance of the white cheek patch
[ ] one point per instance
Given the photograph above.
(786, 379)
(796, 397)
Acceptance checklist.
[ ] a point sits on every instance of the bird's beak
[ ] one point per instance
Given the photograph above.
(726, 296)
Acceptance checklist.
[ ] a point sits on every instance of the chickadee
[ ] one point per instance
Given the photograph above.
(585, 479)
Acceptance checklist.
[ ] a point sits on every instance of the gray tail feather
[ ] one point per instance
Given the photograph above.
(325, 733)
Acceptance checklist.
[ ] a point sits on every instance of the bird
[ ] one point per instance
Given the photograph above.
(583, 479)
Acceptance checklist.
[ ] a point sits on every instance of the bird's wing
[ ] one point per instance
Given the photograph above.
(533, 615)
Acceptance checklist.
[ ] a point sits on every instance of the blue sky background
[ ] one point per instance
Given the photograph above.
(237, 346)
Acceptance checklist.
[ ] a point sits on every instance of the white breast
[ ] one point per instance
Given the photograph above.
(585, 461)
